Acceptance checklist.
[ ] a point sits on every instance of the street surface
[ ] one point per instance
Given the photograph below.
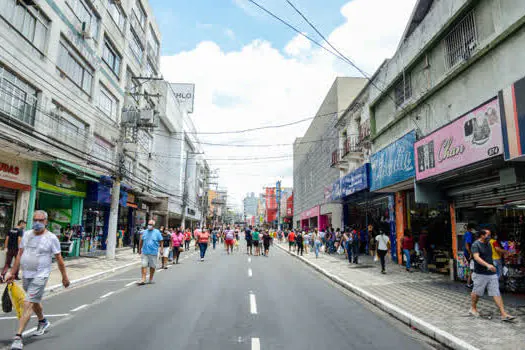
(225, 302)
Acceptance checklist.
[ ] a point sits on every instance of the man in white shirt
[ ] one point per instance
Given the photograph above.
(383, 246)
(36, 252)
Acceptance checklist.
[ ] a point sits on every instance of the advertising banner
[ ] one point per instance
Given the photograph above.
(394, 163)
(51, 180)
(184, 94)
(474, 137)
(351, 183)
(310, 213)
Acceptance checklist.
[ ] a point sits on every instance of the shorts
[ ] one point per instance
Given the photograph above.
(149, 261)
(482, 282)
(249, 243)
(291, 244)
(266, 246)
(165, 252)
(255, 243)
(34, 288)
(229, 242)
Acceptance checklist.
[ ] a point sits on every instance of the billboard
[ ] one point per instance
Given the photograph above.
(184, 94)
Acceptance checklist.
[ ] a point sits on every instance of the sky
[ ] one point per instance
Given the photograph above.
(251, 70)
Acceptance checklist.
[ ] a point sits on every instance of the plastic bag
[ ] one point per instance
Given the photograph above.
(7, 305)
(340, 250)
(17, 297)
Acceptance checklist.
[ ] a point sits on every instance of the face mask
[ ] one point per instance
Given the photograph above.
(150, 227)
(38, 226)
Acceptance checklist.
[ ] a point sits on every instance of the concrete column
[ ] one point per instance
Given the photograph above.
(32, 195)
(400, 222)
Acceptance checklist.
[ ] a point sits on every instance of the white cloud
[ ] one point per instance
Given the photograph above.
(263, 85)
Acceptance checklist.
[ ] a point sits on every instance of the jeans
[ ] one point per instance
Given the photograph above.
(135, 245)
(406, 252)
(382, 254)
(214, 243)
(355, 251)
(317, 247)
(176, 253)
(300, 248)
(203, 247)
(186, 245)
(348, 247)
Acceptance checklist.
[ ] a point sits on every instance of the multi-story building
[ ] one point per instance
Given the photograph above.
(250, 204)
(313, 171)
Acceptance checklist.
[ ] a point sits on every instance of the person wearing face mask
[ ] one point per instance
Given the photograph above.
(149, 248)
(37, 249)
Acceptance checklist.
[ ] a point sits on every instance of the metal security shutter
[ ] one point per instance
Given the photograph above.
(490, 195)
(7, 194)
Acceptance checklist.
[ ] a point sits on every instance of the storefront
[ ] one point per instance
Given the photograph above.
(96, 215)
(461, 178)
(15, 186)
(310, 218)
(348, 190)
(393, 171)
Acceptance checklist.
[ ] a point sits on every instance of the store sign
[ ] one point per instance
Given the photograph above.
(51, 180)
(512, 102)
(310, 213)
(184, 94)
(191, 211)
(15, 170)
(357, 180)
(394, 163)
(474, 137)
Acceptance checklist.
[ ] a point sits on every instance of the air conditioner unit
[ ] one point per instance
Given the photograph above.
(85, 31)
(147, 116)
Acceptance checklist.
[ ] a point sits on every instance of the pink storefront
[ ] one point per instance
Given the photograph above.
(312, 218)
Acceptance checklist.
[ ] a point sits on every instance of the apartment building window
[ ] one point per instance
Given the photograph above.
(135, 46)
(140, 14)
(111, 57)
(75, 67)
(28, 21)
(17, 98)
(107, 103)
(117, 13)
(102, 150)
(68, 126)
(129, 164)
(144, 175)
(83, 13)
(144, 140)
(403, 90)
(153, 44)
(462, 40)
(150, 70)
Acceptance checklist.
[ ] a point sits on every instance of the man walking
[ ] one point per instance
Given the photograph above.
(291, 240)
(149, 248)
(37, 249)
(12, 242)
(248, 237)
(485, 275)
(136, 239)
(467, 241)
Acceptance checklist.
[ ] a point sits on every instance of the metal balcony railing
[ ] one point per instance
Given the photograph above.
(59, 129)
(335, 158)
(16, 103)
(352, 145)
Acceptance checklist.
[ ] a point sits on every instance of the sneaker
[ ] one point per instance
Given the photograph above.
(474, 313)
(202, 259)
(470, 286)
(42, 326)
(17, 343)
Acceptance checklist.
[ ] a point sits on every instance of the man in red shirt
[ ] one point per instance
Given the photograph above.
(291, 240)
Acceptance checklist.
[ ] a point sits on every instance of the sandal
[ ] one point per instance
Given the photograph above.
(508, 318)
(141, 283)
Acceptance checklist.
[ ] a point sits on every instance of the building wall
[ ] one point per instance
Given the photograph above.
(312, 160)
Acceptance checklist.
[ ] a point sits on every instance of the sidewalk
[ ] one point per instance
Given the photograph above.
(440, 303)
(84, 269)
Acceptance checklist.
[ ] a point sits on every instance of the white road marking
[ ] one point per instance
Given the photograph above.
(256, 344)
(131, 283)
(159, 271)
(249, 259)
(29, 331)
(79, 308)
(14, 317)
(106, 295)
(250, 273)
(253, 304)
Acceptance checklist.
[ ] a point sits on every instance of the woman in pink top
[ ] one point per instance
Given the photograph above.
(177, 239)
(202, 239)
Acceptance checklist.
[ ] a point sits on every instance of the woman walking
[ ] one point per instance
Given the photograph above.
(306, 242)
(267, 239)
(383, 246)
(203, 237)
(187, 239)
(299, 240)
(407, 243)
(255, 239)
(229, 238)
(166, 247)
(347, 240)
(317, 243)
(176, 241)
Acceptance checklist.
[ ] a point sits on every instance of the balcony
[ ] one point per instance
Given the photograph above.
(16, 103)
(352, 148)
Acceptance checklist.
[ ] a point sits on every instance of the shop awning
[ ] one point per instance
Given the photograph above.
(76, 170)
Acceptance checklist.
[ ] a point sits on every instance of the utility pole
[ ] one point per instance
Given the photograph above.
(278, 195)
(185, 193)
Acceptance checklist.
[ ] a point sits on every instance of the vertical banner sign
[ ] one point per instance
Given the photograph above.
(392, 219)
(400, 223)
(185, 95)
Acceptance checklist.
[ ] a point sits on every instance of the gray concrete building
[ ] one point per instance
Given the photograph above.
(313, 172)
(250, 204)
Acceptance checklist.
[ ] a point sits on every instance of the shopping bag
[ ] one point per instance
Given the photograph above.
(17, 297)
(340, 250)
(7, 305)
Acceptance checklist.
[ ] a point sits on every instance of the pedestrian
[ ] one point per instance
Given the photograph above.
(317, 243)
(248, 238)
(355, 244)
(497, 254)
(203, 237)
(348, 240)
(229, 239)
(136, 239)
(187, 239)
(383, 247)
(299, 240)
(214, 237)
(291, 240)
(255, 239)
(407, 244)
(468, 239)
(267, 239)
(372, 233)
(166, 246)
(37, 249)
(149, 248)
(12, 243)
(423, 246)
(176, 241)
(485, 276)
(306, 241)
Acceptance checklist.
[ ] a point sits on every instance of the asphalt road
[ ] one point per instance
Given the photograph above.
(226, 302)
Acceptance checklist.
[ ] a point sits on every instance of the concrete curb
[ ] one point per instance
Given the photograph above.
(86, 279)
(424, 327)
